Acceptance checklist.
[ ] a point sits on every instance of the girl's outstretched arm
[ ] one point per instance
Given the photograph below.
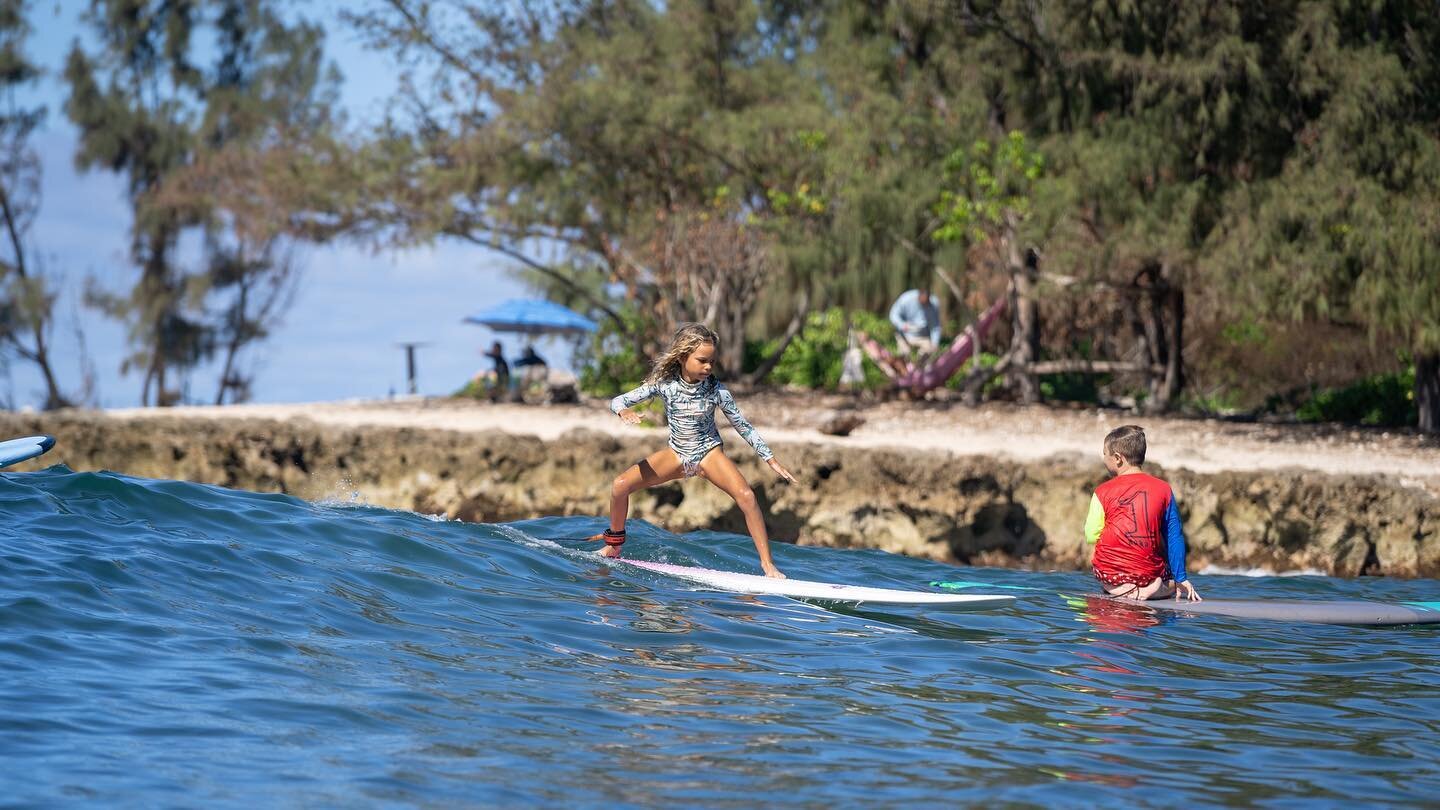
(621, 405)
(748, 433)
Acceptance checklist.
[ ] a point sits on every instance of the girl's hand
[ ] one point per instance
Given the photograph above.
(771, 571)
(1187, 589)
(630, 417)
(780, 470)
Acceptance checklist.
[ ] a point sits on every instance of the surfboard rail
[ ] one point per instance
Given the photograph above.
(820, 591)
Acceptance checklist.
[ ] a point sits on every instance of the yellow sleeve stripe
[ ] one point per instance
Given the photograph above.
(1094, 521)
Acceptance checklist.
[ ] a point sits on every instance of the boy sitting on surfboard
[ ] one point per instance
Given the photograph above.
(1135, 526)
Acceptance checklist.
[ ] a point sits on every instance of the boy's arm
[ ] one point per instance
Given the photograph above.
(630, 399)
(1094, 521)
(1174, 541)
(743, 426)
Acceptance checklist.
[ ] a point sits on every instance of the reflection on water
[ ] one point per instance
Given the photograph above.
(162, 639)
(1110, 616)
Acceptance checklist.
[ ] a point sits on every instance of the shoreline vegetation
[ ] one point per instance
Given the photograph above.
(1214, 208)
(995, 485)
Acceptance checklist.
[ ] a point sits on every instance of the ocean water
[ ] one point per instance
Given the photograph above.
(172, 644)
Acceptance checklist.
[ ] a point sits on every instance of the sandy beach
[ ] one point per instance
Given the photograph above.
(999, 430)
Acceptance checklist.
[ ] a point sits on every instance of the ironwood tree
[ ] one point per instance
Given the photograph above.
(159, 86)
(27, 296)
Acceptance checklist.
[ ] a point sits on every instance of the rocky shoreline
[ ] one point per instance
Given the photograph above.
(958, 509)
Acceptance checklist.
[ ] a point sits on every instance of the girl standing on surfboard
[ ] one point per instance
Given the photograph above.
(681, 378)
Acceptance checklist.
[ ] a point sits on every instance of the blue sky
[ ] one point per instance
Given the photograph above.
(337, 341)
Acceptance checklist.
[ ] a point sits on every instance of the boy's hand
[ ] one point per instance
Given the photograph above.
(771, 571)
(780, 470)
(1187, 589)
(630, 417)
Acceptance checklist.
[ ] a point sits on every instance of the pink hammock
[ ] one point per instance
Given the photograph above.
(920, 379)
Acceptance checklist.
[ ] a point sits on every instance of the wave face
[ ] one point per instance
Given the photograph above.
(166, 643)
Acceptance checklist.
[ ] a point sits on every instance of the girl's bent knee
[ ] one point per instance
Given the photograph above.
(619, 486)
(745, 499)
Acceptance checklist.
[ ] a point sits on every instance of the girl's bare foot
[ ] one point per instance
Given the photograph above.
(610, 538)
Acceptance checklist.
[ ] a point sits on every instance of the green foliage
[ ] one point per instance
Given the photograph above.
(1071, 387)
(477, 388)
(1244, 333)
(167, 85)
(484, 387)
(1381, 399)
(1214, 403)
(1272, 159)
(1075, 387)
(816, 357)
(982, 360)
(612, 372)
(994, 181)
(1054, 387)
(26, 297)
(609, 362)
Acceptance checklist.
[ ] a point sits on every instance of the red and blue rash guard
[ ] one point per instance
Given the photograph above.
(1135, 527)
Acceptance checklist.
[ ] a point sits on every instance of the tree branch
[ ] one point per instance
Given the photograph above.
(548, 271)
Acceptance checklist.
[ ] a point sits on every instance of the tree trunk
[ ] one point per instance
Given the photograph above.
(1174, 359)
(1025, 314)
(734, 349)
(1427, 391)
(1146, 320)
(1164, 326)
(802, 311)
(40, 356)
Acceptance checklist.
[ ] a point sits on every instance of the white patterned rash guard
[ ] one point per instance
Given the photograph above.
(690, 410)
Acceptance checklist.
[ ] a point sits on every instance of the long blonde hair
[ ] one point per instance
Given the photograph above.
(687, 339)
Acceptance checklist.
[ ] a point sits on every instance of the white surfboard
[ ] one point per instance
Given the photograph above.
(823, 591)
(17, 450)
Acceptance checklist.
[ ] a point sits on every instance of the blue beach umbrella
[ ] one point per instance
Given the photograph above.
(532, 316)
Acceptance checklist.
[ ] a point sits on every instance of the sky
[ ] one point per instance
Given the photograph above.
(339, 339)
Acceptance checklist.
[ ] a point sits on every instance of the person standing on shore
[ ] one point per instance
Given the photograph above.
(917, 322)
(1135, 526)
(502, 372)
(682, 379)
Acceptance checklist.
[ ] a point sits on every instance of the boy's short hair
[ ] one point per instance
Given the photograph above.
(1128, 441)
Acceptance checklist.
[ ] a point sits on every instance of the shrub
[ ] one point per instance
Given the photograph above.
(815, 358)
(478, 388)
(1219, 402)
(1381, 399)
(608, 363)
(981, 360)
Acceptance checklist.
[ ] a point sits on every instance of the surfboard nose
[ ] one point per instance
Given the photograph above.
(25, 447)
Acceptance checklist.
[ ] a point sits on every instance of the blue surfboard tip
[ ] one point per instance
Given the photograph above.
(24, 448)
